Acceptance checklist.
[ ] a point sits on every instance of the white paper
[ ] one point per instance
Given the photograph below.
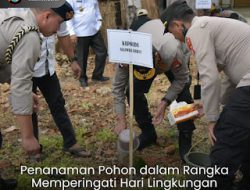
(130, 47)
(203, 4)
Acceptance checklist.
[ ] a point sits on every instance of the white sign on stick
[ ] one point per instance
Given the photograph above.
(203, 4)
(130, 47)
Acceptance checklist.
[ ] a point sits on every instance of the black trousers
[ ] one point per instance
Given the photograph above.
(96, 42)
(51, 90)
(144, 118)
(232, 130)
(185, 128)
(141, 112)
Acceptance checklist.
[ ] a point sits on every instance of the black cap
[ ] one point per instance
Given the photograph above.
(65, 11)
(175, 11)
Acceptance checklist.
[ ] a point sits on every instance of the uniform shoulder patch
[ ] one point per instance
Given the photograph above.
(190, 45)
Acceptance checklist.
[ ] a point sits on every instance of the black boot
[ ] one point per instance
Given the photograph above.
(185, 143)
(224, 182)
(240, 186)
(245, 169)
(8, 184)
(244, 187)
(147, 137)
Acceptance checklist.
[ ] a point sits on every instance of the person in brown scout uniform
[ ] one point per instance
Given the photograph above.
(220, 44)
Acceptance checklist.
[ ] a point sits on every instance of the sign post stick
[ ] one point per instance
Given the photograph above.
(131, 114)
(133, 48)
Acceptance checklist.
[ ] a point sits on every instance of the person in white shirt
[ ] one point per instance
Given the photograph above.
(46, 80)
(85, 32)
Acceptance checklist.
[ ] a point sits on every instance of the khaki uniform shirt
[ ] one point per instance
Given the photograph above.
(219, 44)
(24, 57)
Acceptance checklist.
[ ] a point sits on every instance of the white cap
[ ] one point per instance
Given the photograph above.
(169, 48)
(165, 44)
(156, 28)
(142, 12)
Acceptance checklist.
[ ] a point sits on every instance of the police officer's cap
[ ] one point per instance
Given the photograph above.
(175, 11)
(142, 12)
(65, 11)
(169, 48)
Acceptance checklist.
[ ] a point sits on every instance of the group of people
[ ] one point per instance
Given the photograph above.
(44, 76)
(218, 45)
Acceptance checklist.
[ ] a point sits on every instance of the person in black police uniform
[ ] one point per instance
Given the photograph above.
(142, 82)
(142, 115)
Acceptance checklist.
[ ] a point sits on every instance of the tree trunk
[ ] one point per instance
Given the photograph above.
(152, 7)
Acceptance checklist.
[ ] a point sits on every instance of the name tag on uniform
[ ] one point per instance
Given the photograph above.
(176, 64)
(79, 1)
(190, 45)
